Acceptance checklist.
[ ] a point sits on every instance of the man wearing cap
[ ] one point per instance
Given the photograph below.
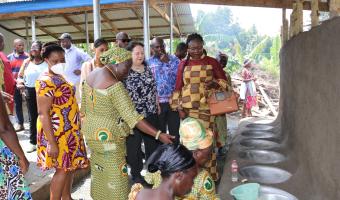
(197, 139)
(74, 58)
(122, 39)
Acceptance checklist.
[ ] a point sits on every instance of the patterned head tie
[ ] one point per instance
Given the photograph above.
(193, 135)
(115, 55)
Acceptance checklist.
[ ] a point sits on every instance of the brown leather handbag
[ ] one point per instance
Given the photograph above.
(221, 102)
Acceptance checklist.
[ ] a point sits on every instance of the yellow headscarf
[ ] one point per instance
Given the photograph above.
(115, 55)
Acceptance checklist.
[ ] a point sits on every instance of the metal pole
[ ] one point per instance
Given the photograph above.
(87, 30)
(34, 37)
(96, 19)
(146, 29)
(27, 37)
(171, 29)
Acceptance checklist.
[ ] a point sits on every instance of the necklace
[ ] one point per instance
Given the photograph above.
(139, 69)
(112, 72)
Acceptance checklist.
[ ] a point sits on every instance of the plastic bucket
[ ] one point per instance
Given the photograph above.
(248, 191)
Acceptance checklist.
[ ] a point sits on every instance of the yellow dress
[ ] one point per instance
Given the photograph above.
(203, 188)
(64, 115)
(109, 117)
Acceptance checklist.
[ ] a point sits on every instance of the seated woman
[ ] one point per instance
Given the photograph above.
(177, 168)
(194, 137)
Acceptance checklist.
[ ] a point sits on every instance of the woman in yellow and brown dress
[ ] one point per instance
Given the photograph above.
(60, 143)
(109, 117)
(197, 77)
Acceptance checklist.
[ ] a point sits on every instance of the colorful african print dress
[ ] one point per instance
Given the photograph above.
(203, 188)
(190, 93)
(109, 117)
(66, 125)
(12, 181)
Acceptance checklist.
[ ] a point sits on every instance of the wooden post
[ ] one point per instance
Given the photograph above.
(284, 29)
(292, 21)
(315, 12)
(334, 8)
(299, 16)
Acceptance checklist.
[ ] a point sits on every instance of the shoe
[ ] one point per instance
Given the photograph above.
(19, 127)
(31, 148)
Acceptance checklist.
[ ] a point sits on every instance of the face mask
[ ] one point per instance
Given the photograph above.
(58, 68)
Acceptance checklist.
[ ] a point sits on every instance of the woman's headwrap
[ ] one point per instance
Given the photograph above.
(115, 55)
(193, 135)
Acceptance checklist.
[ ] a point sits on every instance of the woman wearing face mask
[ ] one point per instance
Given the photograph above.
(100, 46)
(109, 115)
(29, 73)
(60, 142)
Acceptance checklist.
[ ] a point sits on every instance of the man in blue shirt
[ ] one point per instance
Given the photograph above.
(16, 59)
(164, 68)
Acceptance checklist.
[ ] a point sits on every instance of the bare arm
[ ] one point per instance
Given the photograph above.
(145, 127)
(44, 105)
(10, 138)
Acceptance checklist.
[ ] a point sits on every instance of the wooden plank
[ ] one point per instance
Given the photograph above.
(68, 10)
(267, 100)
(165, 16)
(90, 22)
(323, 6)
(177, 21)
(108, 21)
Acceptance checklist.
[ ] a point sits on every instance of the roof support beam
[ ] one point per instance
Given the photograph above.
(39, 26)
(323, 6)
(177, 21)
(108, 21)
(165, 16)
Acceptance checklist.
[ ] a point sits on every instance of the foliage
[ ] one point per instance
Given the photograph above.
(222, 33)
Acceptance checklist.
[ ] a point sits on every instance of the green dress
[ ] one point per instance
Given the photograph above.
(109, 117)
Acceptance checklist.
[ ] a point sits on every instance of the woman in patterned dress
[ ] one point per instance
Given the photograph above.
(109, 117)
(197, 77)
(13, 163)
(60, 142)
(248, 91)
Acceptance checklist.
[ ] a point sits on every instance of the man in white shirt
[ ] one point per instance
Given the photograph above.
(74, 58)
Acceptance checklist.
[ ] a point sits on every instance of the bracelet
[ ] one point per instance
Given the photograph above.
(157, 134)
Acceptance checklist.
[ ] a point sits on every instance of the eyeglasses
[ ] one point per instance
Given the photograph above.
(125, 40)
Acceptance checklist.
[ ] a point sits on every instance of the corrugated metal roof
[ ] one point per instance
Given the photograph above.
(49, 27)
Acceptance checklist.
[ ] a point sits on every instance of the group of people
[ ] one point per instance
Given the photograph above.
(118, 100)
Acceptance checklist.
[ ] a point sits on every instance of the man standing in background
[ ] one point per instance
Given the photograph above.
(122, 39)
(74, 58)
(164, 68)
(16, 59)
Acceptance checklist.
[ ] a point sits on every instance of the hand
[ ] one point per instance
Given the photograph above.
(53, 150)
(24, 165)
(77, 72)
(7, 97)
(164, 58)
(166, 138)
(211, 85)
(182, 114)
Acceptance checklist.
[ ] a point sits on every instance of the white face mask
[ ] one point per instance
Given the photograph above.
(58, 68)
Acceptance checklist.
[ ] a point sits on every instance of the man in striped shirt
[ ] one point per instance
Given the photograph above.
(16, 59)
